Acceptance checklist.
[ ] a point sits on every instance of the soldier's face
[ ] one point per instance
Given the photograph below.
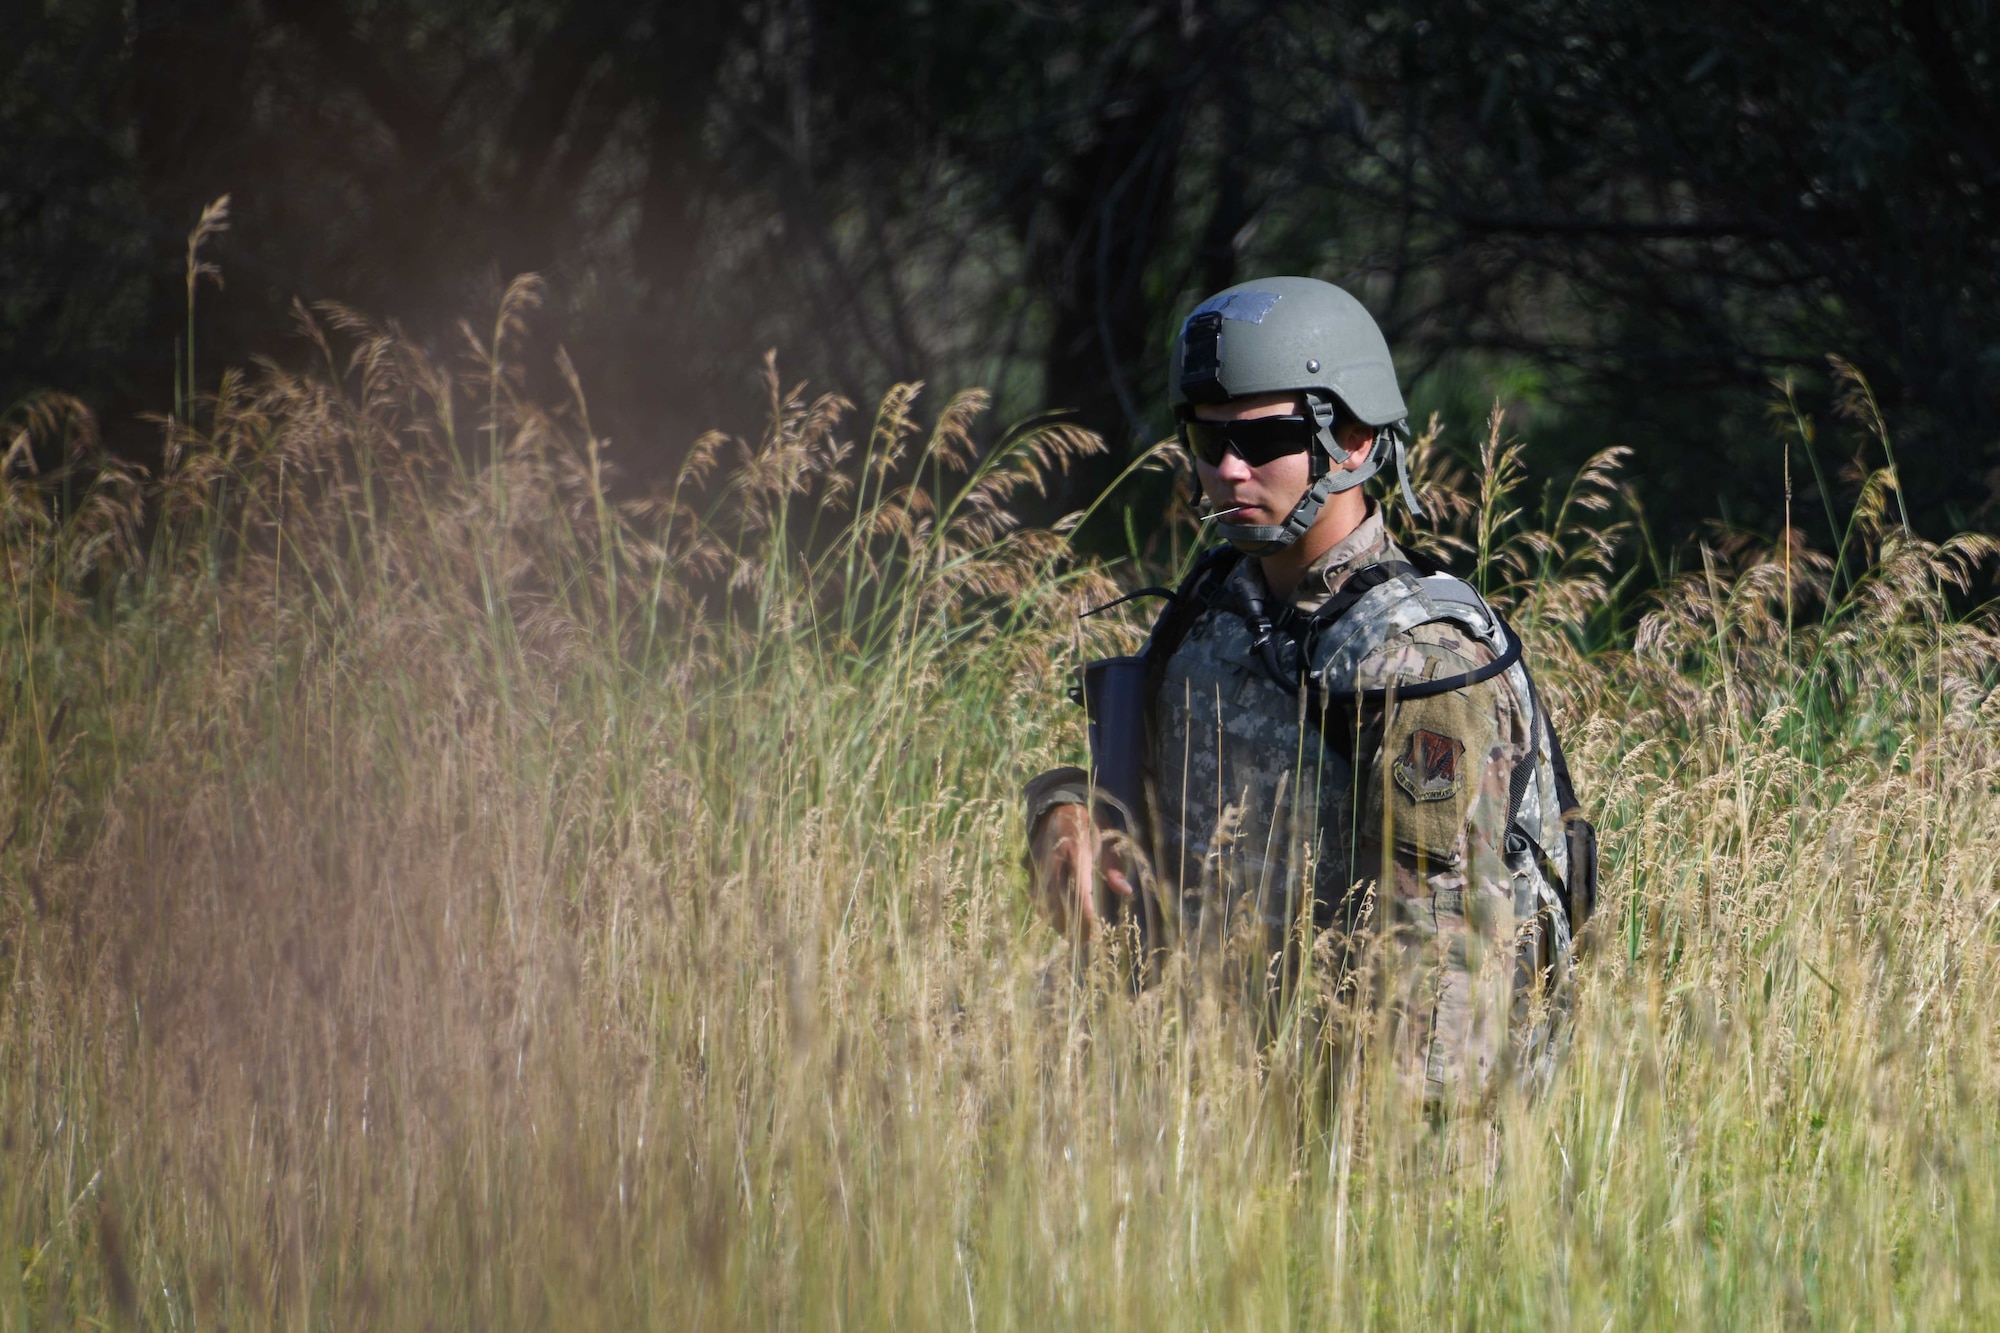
(1266, 494)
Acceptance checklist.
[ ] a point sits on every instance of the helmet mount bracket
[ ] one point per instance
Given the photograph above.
(1201, 364)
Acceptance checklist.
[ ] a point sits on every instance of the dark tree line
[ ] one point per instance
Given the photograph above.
(1632, 216)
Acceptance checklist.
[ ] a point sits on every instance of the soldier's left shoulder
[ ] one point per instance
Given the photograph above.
(1441, 751)
(1430, 651)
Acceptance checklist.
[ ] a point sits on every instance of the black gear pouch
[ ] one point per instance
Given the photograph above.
(1114, 700)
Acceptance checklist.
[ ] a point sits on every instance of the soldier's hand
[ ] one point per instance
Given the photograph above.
(1077, 869)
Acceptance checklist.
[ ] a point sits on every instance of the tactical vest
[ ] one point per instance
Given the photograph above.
(1259, 726)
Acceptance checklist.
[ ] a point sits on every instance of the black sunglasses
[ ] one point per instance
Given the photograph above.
(1256, 440)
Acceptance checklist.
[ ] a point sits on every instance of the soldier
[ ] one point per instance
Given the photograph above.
(1321, 713)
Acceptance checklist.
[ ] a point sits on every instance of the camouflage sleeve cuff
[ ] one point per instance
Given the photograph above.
(1058, 786)
(1071, 786)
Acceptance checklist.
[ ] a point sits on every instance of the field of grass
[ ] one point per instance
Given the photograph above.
(436, 895)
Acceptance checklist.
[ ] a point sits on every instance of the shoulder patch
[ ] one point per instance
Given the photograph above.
(1431, 767)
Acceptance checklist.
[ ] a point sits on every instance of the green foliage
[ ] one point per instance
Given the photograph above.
(434, 891)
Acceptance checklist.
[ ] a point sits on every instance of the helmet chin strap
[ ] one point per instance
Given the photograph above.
(1270, 538)
(1400, 434)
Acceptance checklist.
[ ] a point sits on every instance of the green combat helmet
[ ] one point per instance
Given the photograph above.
(1295, 335)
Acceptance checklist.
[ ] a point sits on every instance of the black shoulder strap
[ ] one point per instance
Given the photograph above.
(1358, 585)
(1426, 565)
(1183, 608)
(1424, 689)
(1364, 581)
(1196, 593)
(1565, 790)
(1579, 888)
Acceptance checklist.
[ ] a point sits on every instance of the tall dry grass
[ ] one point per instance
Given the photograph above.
(440, 894)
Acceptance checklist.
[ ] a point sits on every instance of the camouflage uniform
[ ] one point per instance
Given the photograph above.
(1256, 819)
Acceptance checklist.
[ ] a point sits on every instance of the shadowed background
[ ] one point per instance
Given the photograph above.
(1626, 220)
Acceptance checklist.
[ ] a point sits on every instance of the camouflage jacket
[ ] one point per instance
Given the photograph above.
(1259, 811)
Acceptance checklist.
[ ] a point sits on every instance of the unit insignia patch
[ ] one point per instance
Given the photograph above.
(1429, 769)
